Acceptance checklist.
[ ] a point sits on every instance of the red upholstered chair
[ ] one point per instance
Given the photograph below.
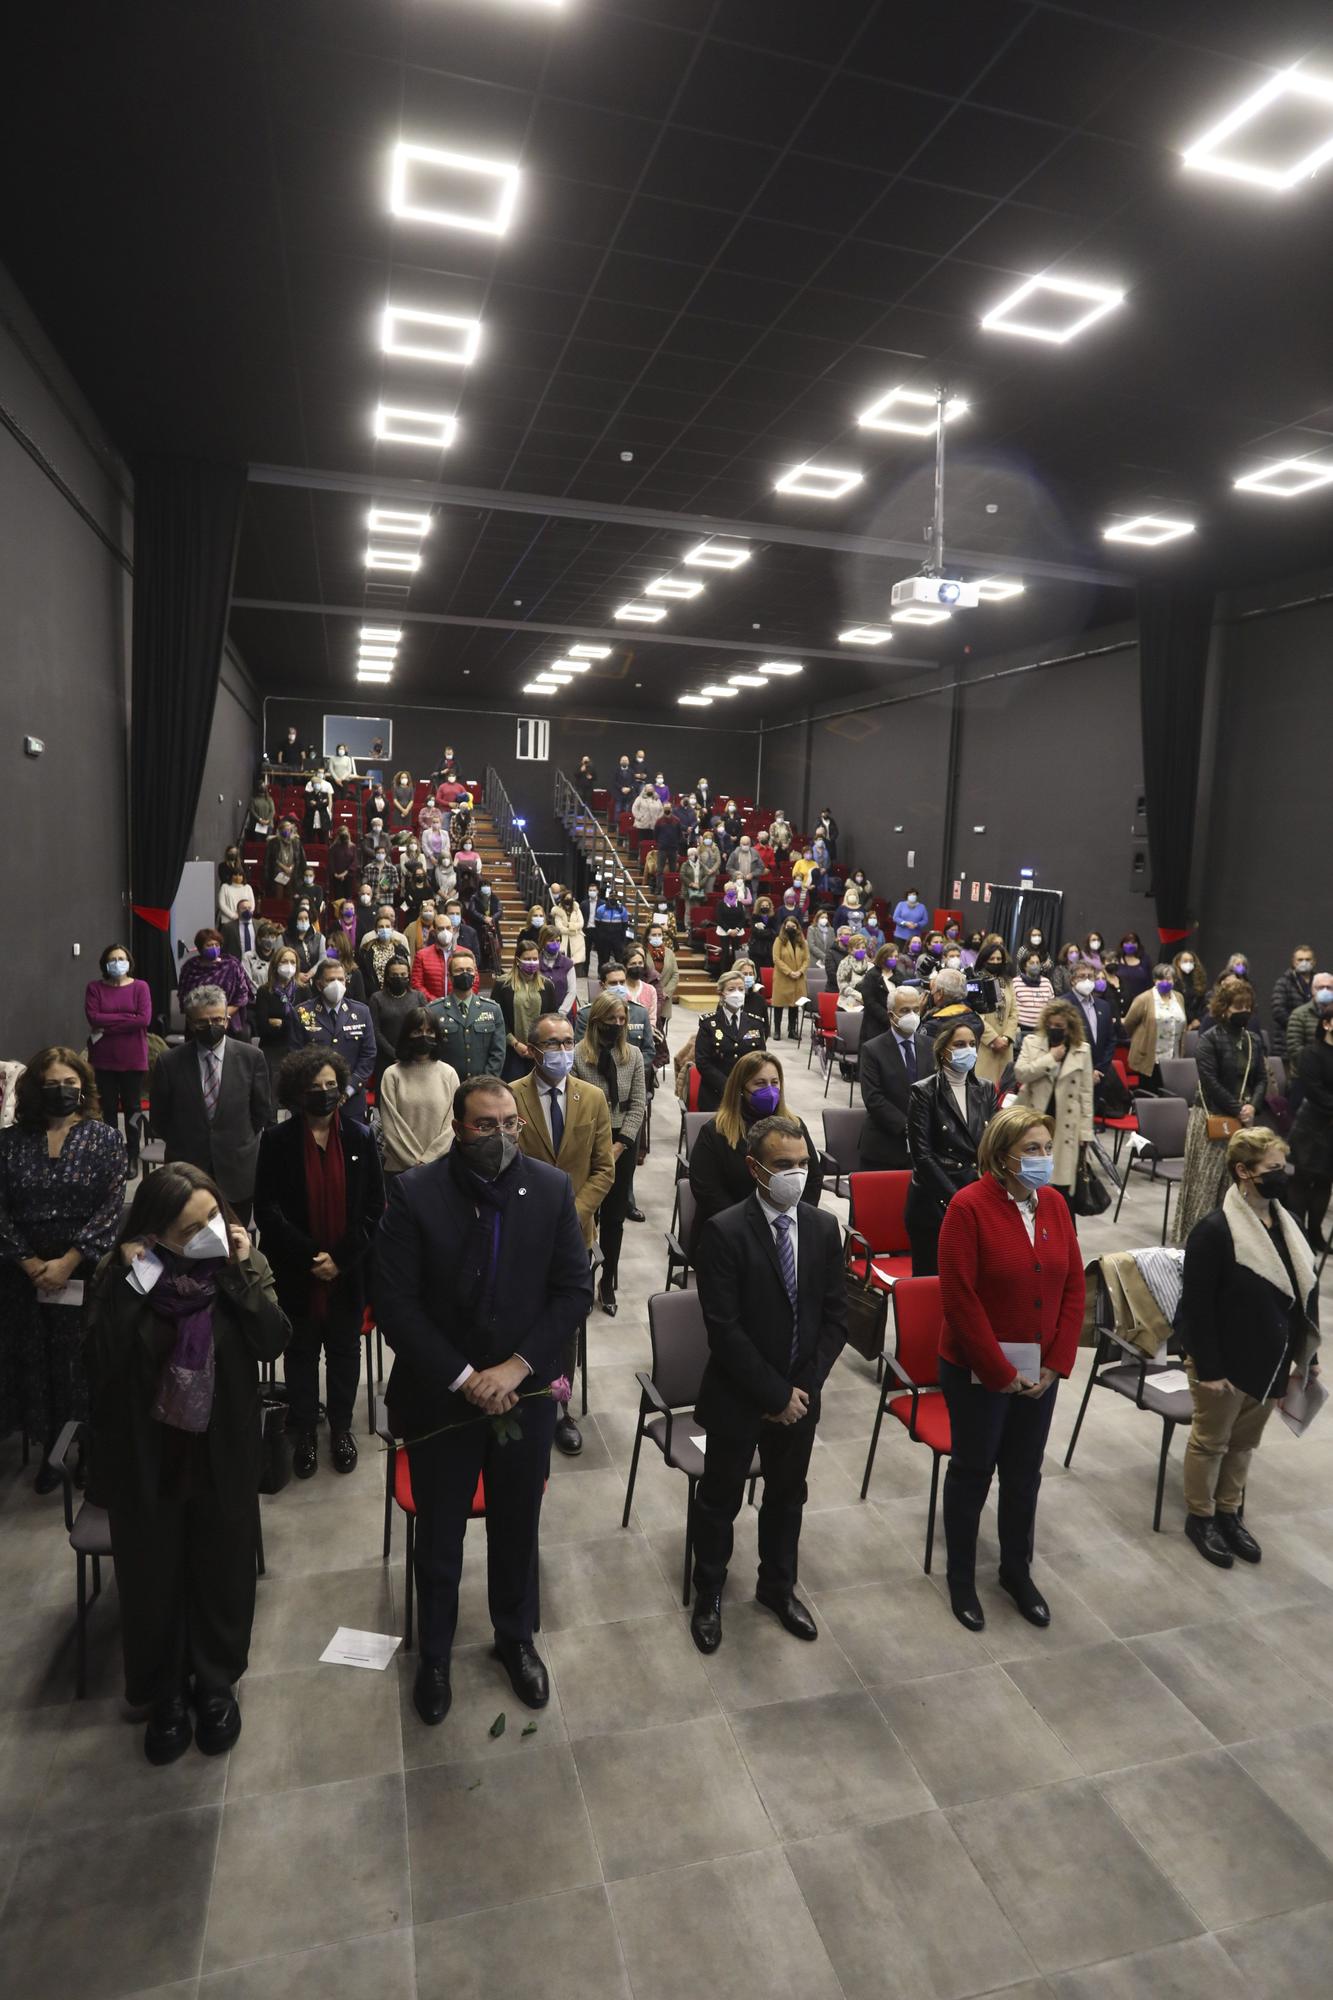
(824, 1029)
(911, 1391)
(376, 1374)
(1129, 1121)
(671, 885)
(625, 825)
(692, 1089)
(766, 981)
(877, 1227)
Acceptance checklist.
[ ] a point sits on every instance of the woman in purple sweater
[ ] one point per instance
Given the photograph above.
(119, 1008)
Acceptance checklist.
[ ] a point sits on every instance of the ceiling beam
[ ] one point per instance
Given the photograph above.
(444, 494)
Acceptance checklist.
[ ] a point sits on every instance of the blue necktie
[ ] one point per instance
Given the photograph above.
(908, 1048)
(787, 1261)
(557, 1122)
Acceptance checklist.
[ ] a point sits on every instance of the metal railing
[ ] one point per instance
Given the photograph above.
(579, 820)
(528, 871)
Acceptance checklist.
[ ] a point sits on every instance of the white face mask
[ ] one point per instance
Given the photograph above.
(785, 1187)
(731, 998)
(1084, 986)
(907, 1024)
(334, 990)
(209, 1241)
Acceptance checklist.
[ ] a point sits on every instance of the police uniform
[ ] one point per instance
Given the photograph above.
(347, 1028)
(474, 1031)
(723, 1037)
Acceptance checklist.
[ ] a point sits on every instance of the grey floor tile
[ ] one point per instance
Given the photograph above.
(301, 1869)
(744, 1915)
(100, 1776)
(590, 1583)
(1284, 1958)
(1009, 1636)
(1131, 1586)
(1003, 1746)
(339, 1534)
(595, 1456)
(295, 1621)
(899, 1631)
(315, 1726)
(380, 1965)
(1296, 1770)
(759, 1661)
(827, 1763)
(659, 1798)
(1070, 1877)
(561, 1948)
(1107, 1708)
(29, 1739)
(636, 1674)
(1233, 1682)
(1230, 1851)
(1304, 1638)
(482, 1691)
(850, 1545)
(129, 1916)
(1197, 1969)
(37, 1647)
(581, 1507)
(868, 1892)
(481, 1833)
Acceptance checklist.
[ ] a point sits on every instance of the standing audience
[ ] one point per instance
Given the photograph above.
(119, 1011)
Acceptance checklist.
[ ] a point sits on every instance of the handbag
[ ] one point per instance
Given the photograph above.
(1091, 1194)
(1220, 1124)
(275, 1446)
(867, 1317)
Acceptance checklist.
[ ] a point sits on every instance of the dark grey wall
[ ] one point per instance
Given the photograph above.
(233, 758)
(64, 663)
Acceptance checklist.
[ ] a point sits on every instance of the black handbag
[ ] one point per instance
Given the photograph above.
(1113, 1098)
(1091, 1194)
(867, 1317)
(275, 1446)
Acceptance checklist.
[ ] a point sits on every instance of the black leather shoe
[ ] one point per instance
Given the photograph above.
(966, 1606)
(635, 1215)
(217, 1723)
(305, 1455)
(527, 1676)
(1238, 1537)
(1027, 1597)
(789, 1611)
(1203, 1531)
(606, 1299)
(342, 1451)
(568, 1436)
(432, 1696)
(168, 1735)
(706, 1621)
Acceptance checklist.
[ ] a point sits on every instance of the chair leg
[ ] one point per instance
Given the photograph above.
(1083, 1406)
(689, 1540)
(81, 1627)
(389, 1458)
(934, 1494)
(583, 1368)
(633, 1467)
(410, 1575)
(874, 1445)
(97, 1579)
(370, 1394)
(1167, 1429)
(259, 1538)
(1124, 1183)
(1166, 1211)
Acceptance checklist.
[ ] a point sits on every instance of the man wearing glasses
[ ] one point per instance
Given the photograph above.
(481, 1282)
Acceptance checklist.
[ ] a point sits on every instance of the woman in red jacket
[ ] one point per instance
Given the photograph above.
(1010, 1271)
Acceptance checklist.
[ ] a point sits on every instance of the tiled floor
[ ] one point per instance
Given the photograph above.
(1134, 1805)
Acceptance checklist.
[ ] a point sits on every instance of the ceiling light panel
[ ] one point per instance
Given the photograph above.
(537, 687)
(912, 412)
(1290, 90)
(452, 190)
(379, 675)
(397, 521)
(365, 652)
(716, 692)
(672, 586)
(1148, 531)
(747, 680)
(1086, 303)
(782, 667)
(1288, 478)
(590, 652)
(381, 634)
(640, 614)
(436, 429)
(921, 614)
(717, 555)
(448, 340)
(401, 559)
(995, 589)
(558, 680)
(571, 666)
(694, 701)
(819, 482)
(865, 635)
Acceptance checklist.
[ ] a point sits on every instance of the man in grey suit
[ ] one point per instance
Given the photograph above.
(209, 1099)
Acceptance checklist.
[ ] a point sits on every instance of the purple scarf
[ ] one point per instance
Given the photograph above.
(479, 1262)
(184, 1295)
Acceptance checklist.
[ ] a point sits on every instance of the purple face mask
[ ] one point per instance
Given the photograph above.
(1099, 985)
(730, 896)
(937, 948)
(858, 956)
(764, 1100)
(212, 951)
(1164, 987)
(1240, 968)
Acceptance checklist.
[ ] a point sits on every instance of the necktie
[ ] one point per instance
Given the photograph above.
(788, 1263)
(908, 1048)
(557, 1122)
(212, 1083)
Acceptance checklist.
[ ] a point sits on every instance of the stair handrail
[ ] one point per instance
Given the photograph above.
(571, 805)
(528, 871)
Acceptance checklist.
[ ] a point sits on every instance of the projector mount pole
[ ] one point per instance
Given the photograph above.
(937, 548)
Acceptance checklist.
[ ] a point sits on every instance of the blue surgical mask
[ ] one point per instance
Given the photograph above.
(557, 1063)
(1036, 1170)
(963, 1060)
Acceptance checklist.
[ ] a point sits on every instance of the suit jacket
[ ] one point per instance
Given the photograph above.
(283, 1214)
(585, 1144)
(720, 1176)
(233, 946)
(885, 1090)
(748, 1315)
(943, 1144)
(721, 1038)
(1103, 1041)
(228, 1147)
(543, 1288)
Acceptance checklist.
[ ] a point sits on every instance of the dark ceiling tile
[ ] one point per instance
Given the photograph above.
(985, 153)
(623, 65)
(1092, 177)
(913, 216)
(747, 300)
(1061, 68)
(716, 170)
(869, 123)
(776, 250)
(818, 35)
(586, 143)
(673, 229)
(647, 281)
(747, 95)
(871, 271)
(818, 194)
(942, 48)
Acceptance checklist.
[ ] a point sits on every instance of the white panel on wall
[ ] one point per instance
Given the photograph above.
(533, 744)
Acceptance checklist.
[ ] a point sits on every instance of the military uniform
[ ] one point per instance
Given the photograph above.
(474, 1032)
(347, 1028)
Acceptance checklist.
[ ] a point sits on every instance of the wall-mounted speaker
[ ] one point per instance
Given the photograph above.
(1140, 870)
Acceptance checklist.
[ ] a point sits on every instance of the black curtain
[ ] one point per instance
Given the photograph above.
(186, 522)
(1175, 628)
(1014, 911)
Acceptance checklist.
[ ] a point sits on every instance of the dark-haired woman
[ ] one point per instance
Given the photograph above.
(1233, 1082)
(946, 1116)
(319, 1193)
(119, 1008)
(1133, 969)
(179, 1318)
(417, 1096)
(62, 1184)
(1192, 985)
(214, 966)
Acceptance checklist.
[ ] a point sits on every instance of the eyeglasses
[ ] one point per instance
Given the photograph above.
(486, 1128)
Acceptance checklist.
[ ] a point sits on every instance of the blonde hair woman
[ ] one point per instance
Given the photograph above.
(719, 1175)
(607, 1059)
(852, 969)
(1054, 1074)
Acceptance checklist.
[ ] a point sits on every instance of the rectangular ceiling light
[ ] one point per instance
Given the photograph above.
(694, 701)
(892, 412)
(436, 429)
(865, 635)
(452, 190)
(365, 652)
(716, 692)
(398, 521)
(571, 666)
(1098, 299)
(403, 559)
(1288, 478)
(381, 676)
(540, 687)
(380, 635)
(995, 589)
(782, 667)
(590, 652)
(557, 680)
(1148, 531)
(374, 589)
(747, 680)
(717, 555)
(819, 482)
(640, 614)
(672, 586)
(921, 614)
(1297, 87)
(447, 339)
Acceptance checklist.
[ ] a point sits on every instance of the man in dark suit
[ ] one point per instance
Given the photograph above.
(1097, 1019)
(890, 1065)
(240, 936)
(209, 1099)
(773, 1291)
(481, 1281)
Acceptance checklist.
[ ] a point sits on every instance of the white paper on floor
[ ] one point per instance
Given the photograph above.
(349, 1648)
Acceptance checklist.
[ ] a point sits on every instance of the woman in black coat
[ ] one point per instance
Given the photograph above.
(319, 1193)
(719, 1174)
(877, 991)
(1249, 1312)
(516, 1003)
(1312, 1134)
(946, 1116)
(723, 1037)
(177, 1319)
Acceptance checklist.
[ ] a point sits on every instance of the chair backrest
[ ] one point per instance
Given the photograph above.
(692, 1089)
(766, 981)
(1163, 1121)
(828, 1011)
(842, 1136)
(1180, 1074)
(1277, 1076)
(850, 1021)
(1189, 1042)
(686, 1212)
(918, 1316)
(879, 1206)
(814, 980)
(680, 1345)
(693, 1125)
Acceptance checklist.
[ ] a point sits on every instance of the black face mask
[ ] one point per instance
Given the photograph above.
(488, 1157)
(59, 1099)
(421, 1045)
(398, 983)
(608, 1037)
(1271, 1184)
(1238, 1021)
(209, 1033)
(461, 982)
(320, 1102)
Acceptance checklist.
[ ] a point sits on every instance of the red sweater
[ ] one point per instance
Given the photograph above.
(995, 1285)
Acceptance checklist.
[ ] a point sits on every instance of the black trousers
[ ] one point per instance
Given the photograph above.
(185, 1576)
(339, 1338)
(925, 1242)
(784, 1456)
(445, 1471)
(1307, 1196)
(992, 1432)
(793, 1022)
(123, 1090)
(611, 1215)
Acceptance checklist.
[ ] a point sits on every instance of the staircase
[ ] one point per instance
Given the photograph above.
(498, 870)
(696, 987)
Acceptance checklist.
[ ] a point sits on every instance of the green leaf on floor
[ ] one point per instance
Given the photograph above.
(475, 1786)
(531, 1729)
(497, 1728)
